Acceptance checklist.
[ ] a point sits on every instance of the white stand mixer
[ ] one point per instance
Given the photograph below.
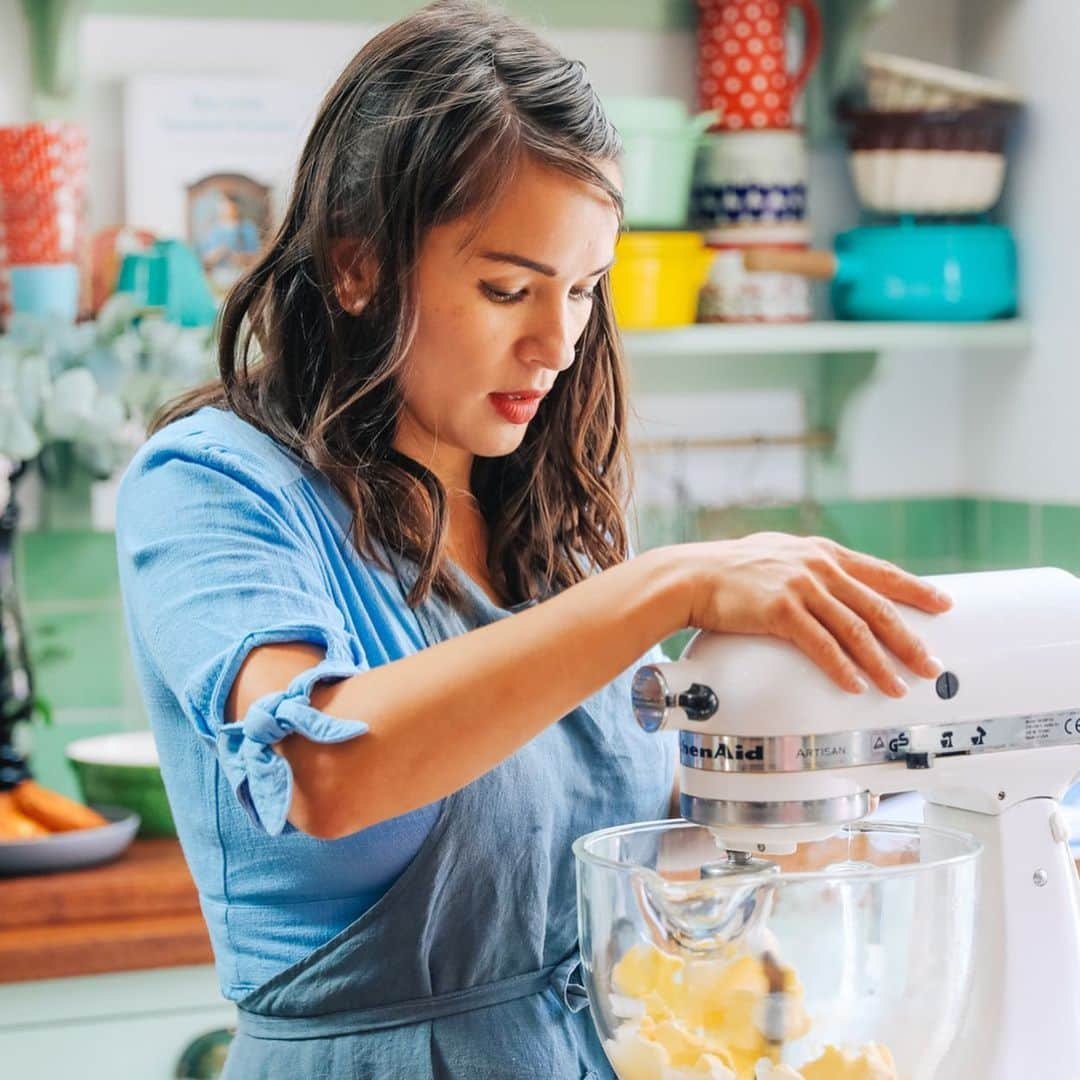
(773, 753)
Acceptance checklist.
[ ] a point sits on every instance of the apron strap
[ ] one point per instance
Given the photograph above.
(564, 979)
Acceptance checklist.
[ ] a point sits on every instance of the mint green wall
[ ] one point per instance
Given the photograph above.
(637, 14)
(71, 607)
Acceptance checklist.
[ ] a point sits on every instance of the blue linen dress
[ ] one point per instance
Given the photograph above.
(464, 966)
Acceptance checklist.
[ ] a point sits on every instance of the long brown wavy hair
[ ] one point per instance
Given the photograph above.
(424, 127)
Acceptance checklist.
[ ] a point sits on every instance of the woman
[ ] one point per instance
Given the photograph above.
(378, 585)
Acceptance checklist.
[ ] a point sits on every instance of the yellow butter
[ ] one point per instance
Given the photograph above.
(870, 1062)
(645, 970)
(635, 1055)
(703, 1021)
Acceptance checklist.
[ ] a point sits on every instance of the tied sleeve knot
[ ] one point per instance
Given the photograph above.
(262, 778)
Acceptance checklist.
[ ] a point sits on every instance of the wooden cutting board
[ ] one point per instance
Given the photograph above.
(141, 911)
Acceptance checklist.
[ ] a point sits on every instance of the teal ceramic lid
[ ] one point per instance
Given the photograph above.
(647, 113)
(657, 115)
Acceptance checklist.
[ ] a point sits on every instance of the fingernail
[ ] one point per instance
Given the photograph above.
(942, 597)
(936, 664)
(860, 684)
(899, 686)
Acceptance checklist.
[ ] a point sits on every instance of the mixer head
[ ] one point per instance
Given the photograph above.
(762, 793)
(772, 753)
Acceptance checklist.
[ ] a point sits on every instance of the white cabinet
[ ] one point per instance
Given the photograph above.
(127, 1026)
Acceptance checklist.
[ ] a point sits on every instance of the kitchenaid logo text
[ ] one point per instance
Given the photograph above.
(724, 752)
(692, 748)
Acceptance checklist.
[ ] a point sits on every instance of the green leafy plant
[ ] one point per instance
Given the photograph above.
(91, 388)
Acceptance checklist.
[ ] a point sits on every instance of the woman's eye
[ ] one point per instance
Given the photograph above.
(500, 297)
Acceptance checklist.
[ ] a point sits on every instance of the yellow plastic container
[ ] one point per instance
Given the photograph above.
(657, 277)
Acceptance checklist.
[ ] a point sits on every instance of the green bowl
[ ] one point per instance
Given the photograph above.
(122, 770)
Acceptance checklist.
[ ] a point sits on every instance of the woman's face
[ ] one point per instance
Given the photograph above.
(499, 317)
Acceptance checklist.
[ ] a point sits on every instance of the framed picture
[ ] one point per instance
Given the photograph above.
(209, 159)
(228, 218)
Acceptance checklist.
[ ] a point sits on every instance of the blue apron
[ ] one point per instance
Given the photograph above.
(467, 967)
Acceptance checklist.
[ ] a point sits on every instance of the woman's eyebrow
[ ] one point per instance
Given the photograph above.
(532, 264)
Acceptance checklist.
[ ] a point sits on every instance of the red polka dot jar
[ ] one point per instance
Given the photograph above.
(43, 175)
(43, 187)
(743, 71)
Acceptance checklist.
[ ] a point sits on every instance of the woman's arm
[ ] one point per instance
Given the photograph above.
(444, 716)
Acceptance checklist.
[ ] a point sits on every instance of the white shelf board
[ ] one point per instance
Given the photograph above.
(749, 339)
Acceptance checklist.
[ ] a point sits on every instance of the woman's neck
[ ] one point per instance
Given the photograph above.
(451, 464)
(468, 539)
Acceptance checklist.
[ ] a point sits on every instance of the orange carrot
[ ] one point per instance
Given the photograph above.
(15, 825)
(56, 812)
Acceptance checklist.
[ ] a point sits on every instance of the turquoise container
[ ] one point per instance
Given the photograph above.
(926, 272)
(48, 291)
(169, 276)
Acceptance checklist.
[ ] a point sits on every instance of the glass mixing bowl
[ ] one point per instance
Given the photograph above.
(846, 960)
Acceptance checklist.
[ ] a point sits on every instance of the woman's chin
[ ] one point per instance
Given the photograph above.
(499, 442)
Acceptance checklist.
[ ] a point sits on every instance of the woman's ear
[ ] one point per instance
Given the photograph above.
(354, 274)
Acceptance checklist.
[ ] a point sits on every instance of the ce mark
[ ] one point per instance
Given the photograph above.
(1072, 725)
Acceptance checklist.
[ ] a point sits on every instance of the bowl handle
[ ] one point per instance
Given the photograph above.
(812, 264)
(811, 46)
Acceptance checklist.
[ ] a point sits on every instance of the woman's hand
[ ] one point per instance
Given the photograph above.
(832, 603)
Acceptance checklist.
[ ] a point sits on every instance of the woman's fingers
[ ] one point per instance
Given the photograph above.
(858, 638)
(834, 604)
(804, 631)
(886, 623)
(889, 580)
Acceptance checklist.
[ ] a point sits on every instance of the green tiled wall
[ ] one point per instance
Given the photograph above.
(926, 536)
(74, 619)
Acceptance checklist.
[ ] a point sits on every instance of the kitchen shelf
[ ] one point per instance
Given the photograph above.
(639, 15)
(829, 363)
(54, 28)
(818, 338)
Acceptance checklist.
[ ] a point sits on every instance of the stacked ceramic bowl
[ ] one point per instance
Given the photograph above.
(931, 140)
(751, 176)
(750, 193)
(42, 216)
(661, 261)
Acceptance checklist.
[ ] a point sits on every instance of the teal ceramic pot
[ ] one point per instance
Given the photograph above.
(925, 272)
(169, 276)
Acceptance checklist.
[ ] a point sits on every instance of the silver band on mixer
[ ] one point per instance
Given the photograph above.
(917, 745)
(837, 810)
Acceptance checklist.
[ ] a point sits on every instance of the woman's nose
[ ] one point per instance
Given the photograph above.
(552, 344)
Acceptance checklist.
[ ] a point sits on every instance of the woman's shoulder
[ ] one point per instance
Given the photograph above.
(219, 440)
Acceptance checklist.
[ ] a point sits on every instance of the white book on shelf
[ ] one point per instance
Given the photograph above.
(209, 159)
